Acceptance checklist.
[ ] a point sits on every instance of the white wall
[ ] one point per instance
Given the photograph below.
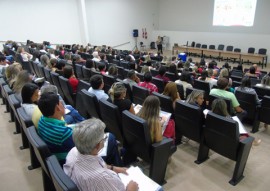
(191, 20)
(56, 21)
(111, 22)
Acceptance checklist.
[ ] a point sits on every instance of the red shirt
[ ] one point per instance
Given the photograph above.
(149, 85)
(164, 78)
(74, 83)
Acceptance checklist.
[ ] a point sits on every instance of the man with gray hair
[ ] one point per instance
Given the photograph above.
(85, 167)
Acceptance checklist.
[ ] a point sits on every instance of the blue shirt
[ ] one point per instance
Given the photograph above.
(100, 94)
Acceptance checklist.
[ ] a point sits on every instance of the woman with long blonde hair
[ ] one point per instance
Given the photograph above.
(171, 91)
(150, 112)
(11, 73)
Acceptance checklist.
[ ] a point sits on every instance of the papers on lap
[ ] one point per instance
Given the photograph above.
(103, 151)
(144, 182)
(162, 114)
(242, 129)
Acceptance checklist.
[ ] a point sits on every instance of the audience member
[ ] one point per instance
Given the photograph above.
(171, 91)
(97, 85)
(132, 79)
(30, 96)
(185, 80)
(84, 165)
(69, 74)
(147, 83)
(161, 74)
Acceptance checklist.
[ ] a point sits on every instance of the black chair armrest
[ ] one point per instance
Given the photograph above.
(160, 153)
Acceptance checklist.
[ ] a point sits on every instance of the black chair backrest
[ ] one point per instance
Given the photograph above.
(86, 73)
(67, 90)
(117, 62)
(35, 66)
(262, 51)
(78, 71)
(60, 180)
(55, 79)
(221, 47)
(185, 114)
(41, 70)
(237, 50)
(173, 77)
(251, 50)
(212, 47)
(265, 110)
(48, 76)
(247, 101)
(236, 84)
(91, 103)
(165, 102)
(121, 72)
(229, 48)
(83, 85)
(236, 78)
(238, 73)
(40, 147)
(204, 46)
(137, 135)
(254, 81)
(112, 118)
(139, 94)
(108, 82)
(262, 91)
(202, 85)
(180, 90)
(26, 66)
(198, 45)
(221, 134)
(154, 72)
(159, 83)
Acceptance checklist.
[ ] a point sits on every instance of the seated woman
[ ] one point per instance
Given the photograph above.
(150, 112)
(117, 97)
(196, 97)
(113, 71)
(246, 87)
(69, 74)
(147, 83)
(25, 55)
(171, 91)
(205, 77)
(22, 78)
(30, 96)
(219, 107)
(252, 72)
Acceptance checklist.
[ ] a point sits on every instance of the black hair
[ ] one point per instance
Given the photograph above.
(204, 75)
(27, 92)
(162, 70)
(68, 71)
(47, 103)
(252, 70)
(147, 77)
(185, 76)
(89, 63)
(101, 66)
(96, 80)
(2, 58)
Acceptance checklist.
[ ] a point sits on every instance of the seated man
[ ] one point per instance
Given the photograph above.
(147, 83)
(85, 167)
(54, 132)
(97, 85)
(132, 79)
(222, 84)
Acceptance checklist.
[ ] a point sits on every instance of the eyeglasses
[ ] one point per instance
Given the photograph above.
(104, 139)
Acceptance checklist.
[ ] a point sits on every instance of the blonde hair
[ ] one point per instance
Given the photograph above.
(12, 71)
(224, 73)
(117, 90)
(193, 96)
(150, 112)
(171, 90)
(22, 78)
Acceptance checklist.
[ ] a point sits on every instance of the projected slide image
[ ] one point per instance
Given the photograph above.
(234, 12)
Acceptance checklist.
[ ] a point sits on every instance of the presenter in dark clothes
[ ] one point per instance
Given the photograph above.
(159, 44)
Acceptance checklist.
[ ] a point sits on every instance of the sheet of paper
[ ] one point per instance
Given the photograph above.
(144, 182)
(162, 114)
(242, 129)
(103, 151)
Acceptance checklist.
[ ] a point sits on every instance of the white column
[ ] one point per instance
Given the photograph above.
(83, 20)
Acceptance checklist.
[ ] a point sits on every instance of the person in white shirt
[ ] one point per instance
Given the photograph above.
(25, 55)
(97, 85)
(84, 165)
